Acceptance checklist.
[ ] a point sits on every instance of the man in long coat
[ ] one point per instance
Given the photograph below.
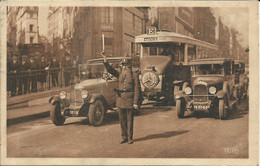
(128, 95)
(13, 68)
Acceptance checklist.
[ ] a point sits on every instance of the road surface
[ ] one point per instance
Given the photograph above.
(158, 133)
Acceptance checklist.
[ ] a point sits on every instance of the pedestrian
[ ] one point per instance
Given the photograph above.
(67, 64)
(13, 67)
(43, 67)
(128, 95)
(54, 69)
(76, 68)
(33, 67)
(24, 76)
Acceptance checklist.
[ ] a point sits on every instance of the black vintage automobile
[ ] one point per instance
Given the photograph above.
(91, 98)
(213, 88)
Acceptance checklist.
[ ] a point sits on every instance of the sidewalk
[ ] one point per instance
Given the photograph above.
(31, 99)
(31, 106)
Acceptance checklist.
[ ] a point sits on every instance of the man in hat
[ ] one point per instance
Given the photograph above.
(33, 66)
(55, 68)
(67, 64)
(128, 95)
(13, 68)
(24, 79)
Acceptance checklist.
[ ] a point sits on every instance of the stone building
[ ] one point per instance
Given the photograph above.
(176, 19)
(22, 28)
(82, 29)
(27, 25)
(204, 24)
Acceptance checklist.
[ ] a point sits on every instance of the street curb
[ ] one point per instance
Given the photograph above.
(26, 100)
(27, 118)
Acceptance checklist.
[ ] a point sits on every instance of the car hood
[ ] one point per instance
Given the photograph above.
(209, 80)
(159, 62)
(89, 84)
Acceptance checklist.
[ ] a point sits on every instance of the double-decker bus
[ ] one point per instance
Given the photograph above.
(164, 61)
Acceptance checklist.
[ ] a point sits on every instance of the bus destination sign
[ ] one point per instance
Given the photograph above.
(150, 30)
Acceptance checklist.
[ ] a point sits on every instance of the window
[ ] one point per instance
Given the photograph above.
(107, 15)
(31, 28)
(31, 40)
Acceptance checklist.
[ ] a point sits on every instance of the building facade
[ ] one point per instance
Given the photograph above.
(82, 29)
(204, 24)
(22, 28)
(27, 25)
(176, 19)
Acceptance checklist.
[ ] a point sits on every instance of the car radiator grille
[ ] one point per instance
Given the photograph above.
(200, 93)
(75, 96)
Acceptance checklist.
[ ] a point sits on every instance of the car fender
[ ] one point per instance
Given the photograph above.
(94, 97)
(180, 94)
(221, 94)
(63, 103)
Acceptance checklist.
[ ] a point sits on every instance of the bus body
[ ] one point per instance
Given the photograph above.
(164, 61)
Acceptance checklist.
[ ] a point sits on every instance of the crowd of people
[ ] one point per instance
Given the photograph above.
(26, 73)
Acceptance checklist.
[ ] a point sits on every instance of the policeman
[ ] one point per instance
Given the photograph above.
(128, 95)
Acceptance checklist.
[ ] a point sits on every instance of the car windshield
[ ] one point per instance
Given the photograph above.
(94, 71)
(208, 69)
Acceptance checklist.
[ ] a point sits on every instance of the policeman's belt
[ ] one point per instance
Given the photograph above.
(122, 91)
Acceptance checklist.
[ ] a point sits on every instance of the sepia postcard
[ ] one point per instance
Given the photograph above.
(129, 82)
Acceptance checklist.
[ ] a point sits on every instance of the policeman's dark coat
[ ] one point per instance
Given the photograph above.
(128, 81)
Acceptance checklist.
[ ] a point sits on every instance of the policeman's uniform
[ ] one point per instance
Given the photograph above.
(128, 94)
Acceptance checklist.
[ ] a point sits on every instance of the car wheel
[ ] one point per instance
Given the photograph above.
(56, 116)
(180, 107)
(96, 113)
(222, 110)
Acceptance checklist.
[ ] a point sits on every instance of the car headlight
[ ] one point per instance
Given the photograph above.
(188, 90)
(84, 94)
(63, 95)
(212, 90)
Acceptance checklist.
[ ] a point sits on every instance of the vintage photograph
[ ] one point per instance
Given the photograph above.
(142, 81)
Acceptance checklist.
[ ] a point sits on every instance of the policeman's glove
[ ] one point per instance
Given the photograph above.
(135, 106)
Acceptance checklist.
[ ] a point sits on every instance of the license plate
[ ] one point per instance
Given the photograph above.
(200, 107)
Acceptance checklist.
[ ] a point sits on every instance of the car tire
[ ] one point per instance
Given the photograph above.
(55, 115)
(180, 107)
(96, 113)
(222, 110)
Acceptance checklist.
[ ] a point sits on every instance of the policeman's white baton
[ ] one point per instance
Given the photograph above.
(103, 42)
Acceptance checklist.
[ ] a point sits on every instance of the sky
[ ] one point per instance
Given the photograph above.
(236, 18)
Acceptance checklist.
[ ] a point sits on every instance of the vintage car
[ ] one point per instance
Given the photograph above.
(213, 88)
(91, 98)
